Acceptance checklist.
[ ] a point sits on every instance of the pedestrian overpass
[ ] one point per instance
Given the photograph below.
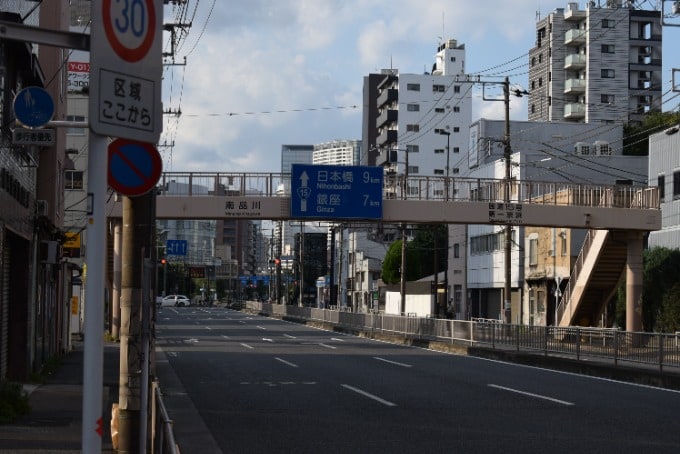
(622, 211)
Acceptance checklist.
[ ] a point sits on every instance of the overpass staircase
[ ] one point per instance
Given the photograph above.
(594, 278)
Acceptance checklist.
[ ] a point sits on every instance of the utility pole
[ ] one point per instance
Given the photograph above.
(507, 151)
(138, 228)
(402, 273)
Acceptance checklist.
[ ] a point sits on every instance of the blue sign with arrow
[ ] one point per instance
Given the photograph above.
(176, 247)
(33, 107)
(336, 192)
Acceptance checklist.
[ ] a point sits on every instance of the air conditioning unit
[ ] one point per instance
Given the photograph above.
(582, 148)
(602, 148)
(41, 208)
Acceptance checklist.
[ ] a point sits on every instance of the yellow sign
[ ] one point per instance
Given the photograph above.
(74, 305)
(72, 240)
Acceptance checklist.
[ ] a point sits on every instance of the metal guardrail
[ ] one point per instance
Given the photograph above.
(659, 350)
(422, 188)
(162, 435)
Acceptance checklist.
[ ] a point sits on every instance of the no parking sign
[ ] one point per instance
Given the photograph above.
(134, 167)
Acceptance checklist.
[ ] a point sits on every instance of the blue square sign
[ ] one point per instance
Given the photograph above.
(336, 192)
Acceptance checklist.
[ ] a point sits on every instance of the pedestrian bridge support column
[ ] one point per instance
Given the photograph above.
(634, 272)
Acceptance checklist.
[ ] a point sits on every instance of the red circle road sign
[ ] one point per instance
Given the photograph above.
(134, 167)
(129, 31)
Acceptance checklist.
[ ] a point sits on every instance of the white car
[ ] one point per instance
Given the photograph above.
(176, 300)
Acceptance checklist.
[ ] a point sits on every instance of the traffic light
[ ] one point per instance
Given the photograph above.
(164, 261)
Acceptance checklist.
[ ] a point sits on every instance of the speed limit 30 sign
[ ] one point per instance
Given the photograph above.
(126, 64)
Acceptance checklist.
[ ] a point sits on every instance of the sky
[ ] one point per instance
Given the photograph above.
(263, 73)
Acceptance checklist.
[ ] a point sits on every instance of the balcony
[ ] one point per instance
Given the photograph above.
(572, 86)
(388, 96)
(574, 111)
(387, 116)
(386, 138)
(575, 61)
(575, 36)
(575, 15)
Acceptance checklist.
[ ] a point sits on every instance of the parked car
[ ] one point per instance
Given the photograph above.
(176, 300)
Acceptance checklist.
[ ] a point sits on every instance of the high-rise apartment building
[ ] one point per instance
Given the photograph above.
(599, 64)
(421, 120)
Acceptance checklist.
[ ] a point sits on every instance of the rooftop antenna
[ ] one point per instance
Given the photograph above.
(443, 27)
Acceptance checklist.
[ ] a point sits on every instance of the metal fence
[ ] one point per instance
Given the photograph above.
(462, 189)
(162, 435)
(659, 350)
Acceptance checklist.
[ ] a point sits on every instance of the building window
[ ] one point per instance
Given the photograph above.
(607, 73)
(75, 131)
(456, 88)
(533, 108)
(73, 180)
(533, 84)
(413, 87)
(563, 237)
(438, 151)
(456, 251)
(608, 23)
(439, 109)
(456, 108)
(607, 99)
(439, 88)
(676, 185)
(540, 58)
(413, 128)
(412, 148)
(413, 170)
(413, 107)
(533, 251)
(540, 81)
(455, 170)
(456, 149)
(661, 184)
(608, 49)
(533, 61)
(439, 171)
(456, 129)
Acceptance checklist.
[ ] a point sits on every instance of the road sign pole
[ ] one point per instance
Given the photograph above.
(93, 351)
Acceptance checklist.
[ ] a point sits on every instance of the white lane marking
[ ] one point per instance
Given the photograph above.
(289, 336)
(287, 363)
(208, 328)
(538, 396)
(369, 395)
(327, 346)
(336, 339)
(247, 346)
(225, 336)
(266, 339)
(242, 322)
(393, 362)
(261, 327)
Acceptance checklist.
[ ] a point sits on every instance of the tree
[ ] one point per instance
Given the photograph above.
(420, 255)
(669, 316)
(660, 275)
(635, 140)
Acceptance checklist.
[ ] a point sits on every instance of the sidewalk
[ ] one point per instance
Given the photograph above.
(54, 424)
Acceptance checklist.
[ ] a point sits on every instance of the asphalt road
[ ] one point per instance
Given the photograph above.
(238, 383)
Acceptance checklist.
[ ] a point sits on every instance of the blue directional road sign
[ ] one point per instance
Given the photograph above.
(336, 192)
(176, 247)
(33, 107)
